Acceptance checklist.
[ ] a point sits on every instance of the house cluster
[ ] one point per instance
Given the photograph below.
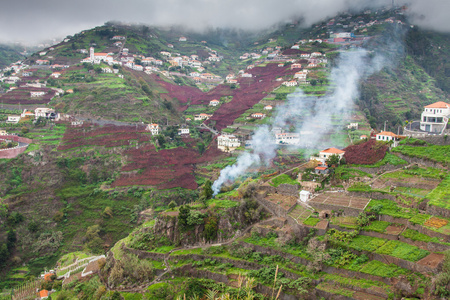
(47, 113)
(155, 129)
(227, 142)
(270, 53)
(323, 167)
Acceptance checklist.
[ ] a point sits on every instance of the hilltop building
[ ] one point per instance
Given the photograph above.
(96, 58)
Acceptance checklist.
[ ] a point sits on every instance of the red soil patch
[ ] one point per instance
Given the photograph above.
(394, 230)
(432, 260)
(284, 201)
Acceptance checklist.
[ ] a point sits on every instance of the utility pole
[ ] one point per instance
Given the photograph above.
(384, 125)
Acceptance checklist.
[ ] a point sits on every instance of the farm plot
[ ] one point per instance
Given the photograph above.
(340, 199)
(22, 95)
(284, 201)
(107, 136)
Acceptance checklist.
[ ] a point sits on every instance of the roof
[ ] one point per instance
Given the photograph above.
(388, 133)
(440, 104)
(214, 100)
(332, 150)
(47, 277)
(321, 168)
(43, 293)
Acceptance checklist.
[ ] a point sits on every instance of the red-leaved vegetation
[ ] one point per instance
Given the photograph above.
(366, 153)
(249, 93)
(22, 95)
(164, 169)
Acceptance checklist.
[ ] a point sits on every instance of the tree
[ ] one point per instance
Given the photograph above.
(172, 205)
(183, 216)
(108, 212)
(207, 190)
(313, 82)
(24, 130)
(333, 160)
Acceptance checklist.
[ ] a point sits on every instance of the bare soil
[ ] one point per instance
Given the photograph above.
(341, 199)
(432, 260)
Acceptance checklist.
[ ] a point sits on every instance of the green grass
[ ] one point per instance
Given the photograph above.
(378, 268)
(343, 172)
(311, 221)
(419, 219)
(354, 282)
(283, 179)
(366, 243)
(70, 258)
(440, 196)
(163, 249)
(433, 152)
(388, 159)
(219, 203)
(390, 208)
(402, 250)
(415, 235)
(185, 252)
(377, 226)
(335, 290)
(346, 222)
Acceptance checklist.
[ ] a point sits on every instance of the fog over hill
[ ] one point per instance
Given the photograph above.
(32, 21)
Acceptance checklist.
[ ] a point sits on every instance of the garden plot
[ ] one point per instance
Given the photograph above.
(415, 186)
(284, 201)
(433, 260)
(340, 199)
(300, 213)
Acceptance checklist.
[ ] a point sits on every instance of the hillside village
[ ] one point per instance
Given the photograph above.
(111, 141)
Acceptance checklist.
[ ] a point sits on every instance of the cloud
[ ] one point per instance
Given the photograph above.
(31, 20)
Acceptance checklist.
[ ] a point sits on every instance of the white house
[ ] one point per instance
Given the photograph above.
(435, 117)
(258, 115)
(387, 136)
(183, 131)
(214, 102)
(182, 39)
(325, 154)
(248, 75)
(153, 128)
(304, 195)
(37, 94)
(290, 83)
(296, 66)
(305, 55)
(13, 119)
(43, 112)
(352, 126)
(268, 107)
(56, 74)
(202, 116)
(26, 113)
(287, 138)
(227, 142)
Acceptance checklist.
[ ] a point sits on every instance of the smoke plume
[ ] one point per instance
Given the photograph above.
(313, 118)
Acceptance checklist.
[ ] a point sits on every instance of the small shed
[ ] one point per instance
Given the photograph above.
(304, 195)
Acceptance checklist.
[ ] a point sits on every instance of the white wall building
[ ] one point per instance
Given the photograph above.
(435, 117)
(153, 128)
(227, 142)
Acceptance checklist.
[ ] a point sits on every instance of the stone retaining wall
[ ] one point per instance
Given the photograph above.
(144, 254)
(437, 211)
(13, 152)
(348, 211)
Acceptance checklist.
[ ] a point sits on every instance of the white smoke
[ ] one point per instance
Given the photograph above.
(313, 117)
